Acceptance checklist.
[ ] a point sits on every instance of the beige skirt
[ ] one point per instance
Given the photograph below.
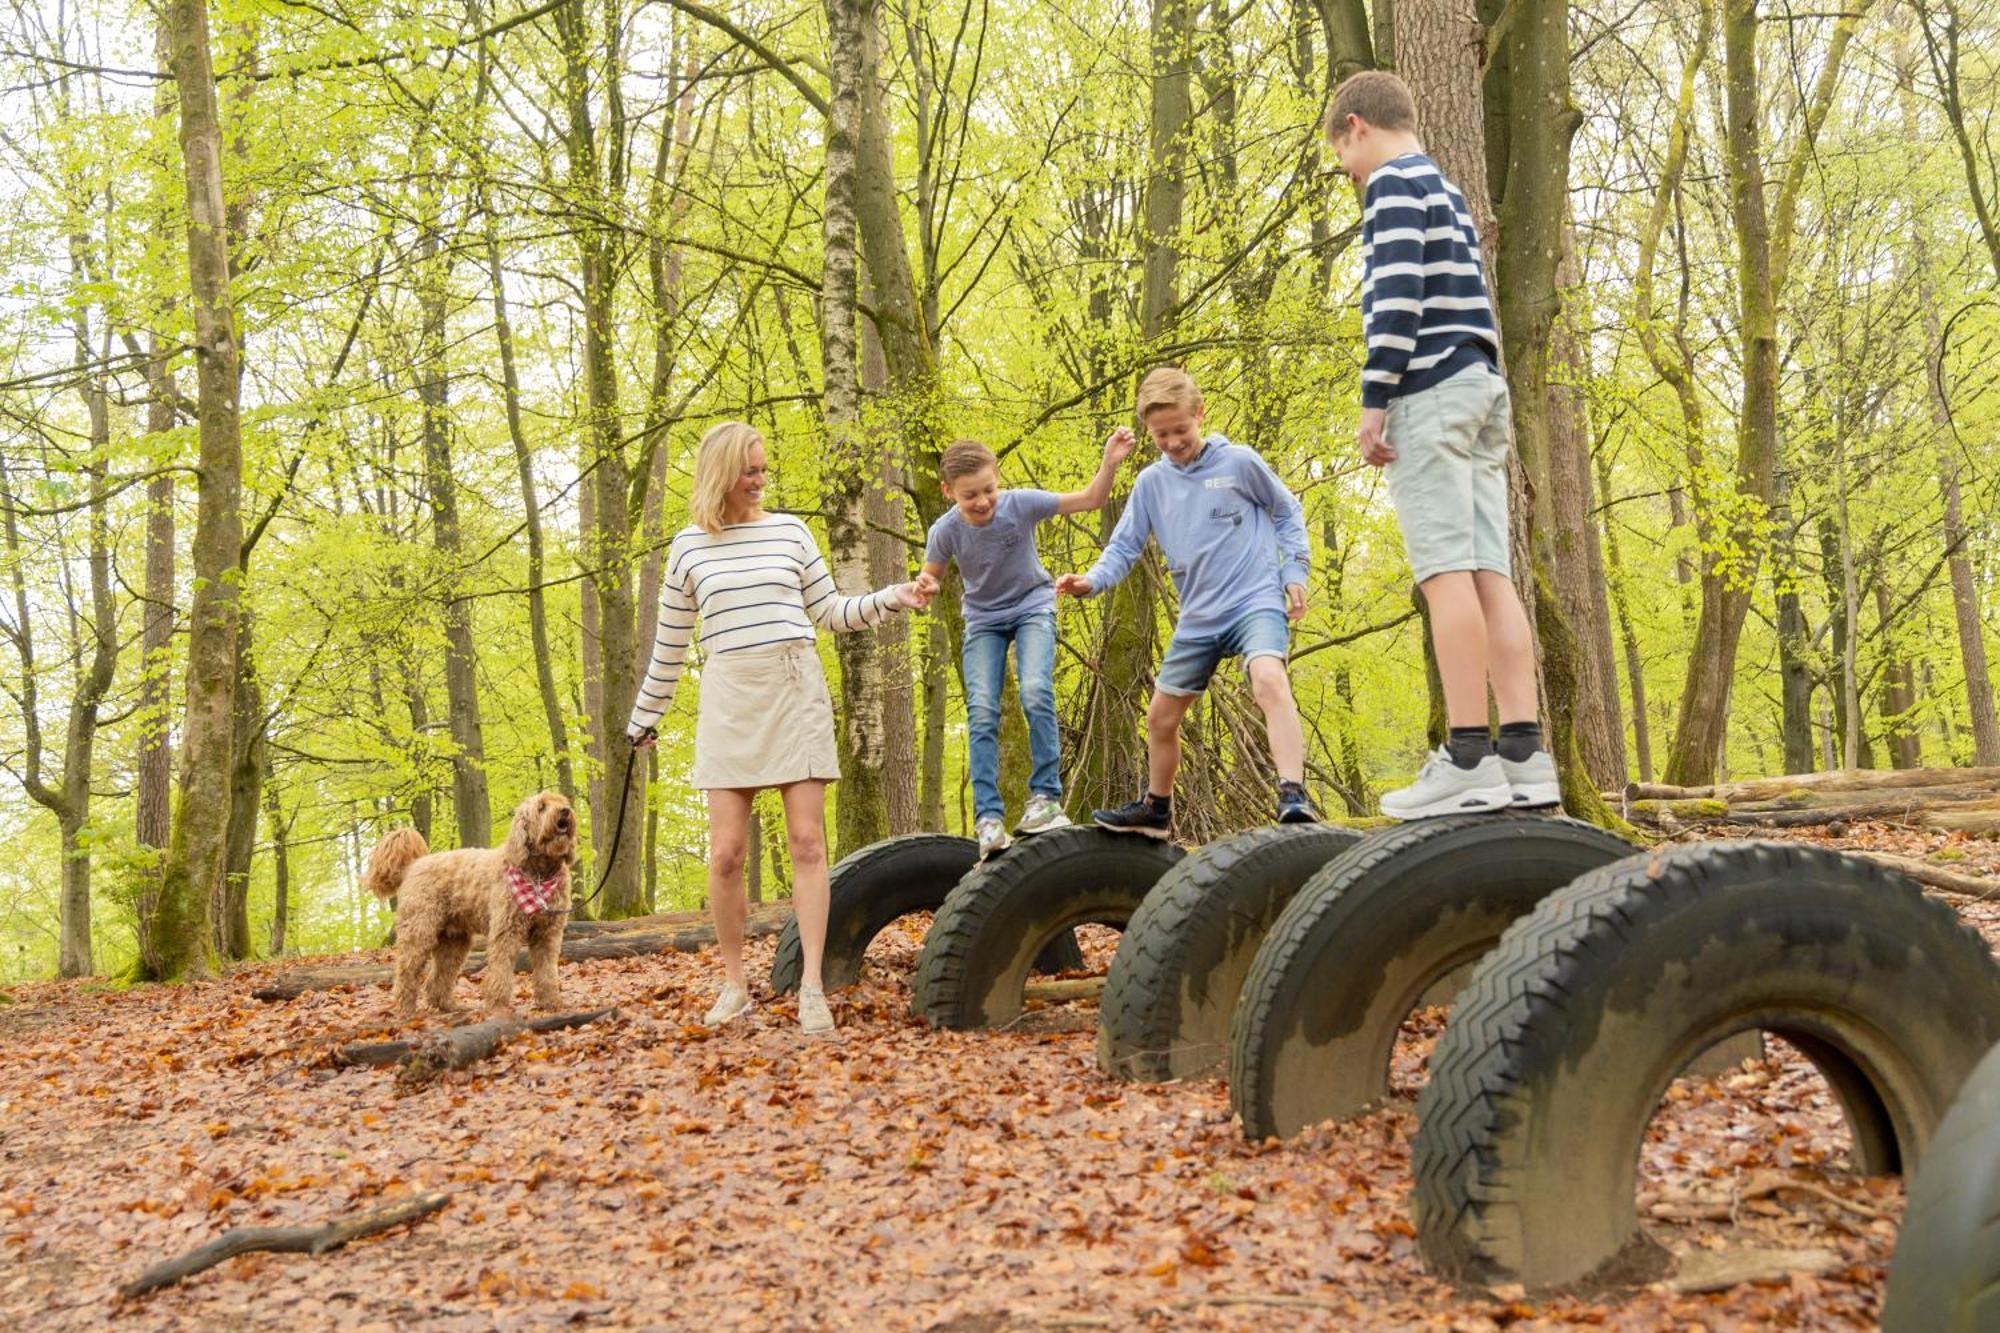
(766, 719)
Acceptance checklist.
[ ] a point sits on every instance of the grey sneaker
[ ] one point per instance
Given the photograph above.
(814, 1016)
(1443, 788)
(992, 835)
(1533, 781)
(734, 1002)
(1043, 813)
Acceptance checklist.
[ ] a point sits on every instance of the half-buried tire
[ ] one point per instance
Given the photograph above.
(1946, 1274)
(976, 956)
(875, 886)
(1368, 937)
(1560, 1047)
(1181, 962)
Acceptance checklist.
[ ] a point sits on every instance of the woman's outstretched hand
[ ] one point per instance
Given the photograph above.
(912, 595)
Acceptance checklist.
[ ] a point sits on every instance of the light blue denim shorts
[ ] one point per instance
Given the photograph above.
(1190, 663)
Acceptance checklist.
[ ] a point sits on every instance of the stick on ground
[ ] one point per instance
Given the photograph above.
(293, 1240)
(455, 1048)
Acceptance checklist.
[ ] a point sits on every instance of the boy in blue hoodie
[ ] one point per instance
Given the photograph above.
(1235, 542)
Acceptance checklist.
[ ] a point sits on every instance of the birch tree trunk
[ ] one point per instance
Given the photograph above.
(194, 869)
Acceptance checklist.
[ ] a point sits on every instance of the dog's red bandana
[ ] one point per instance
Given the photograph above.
(532, 895)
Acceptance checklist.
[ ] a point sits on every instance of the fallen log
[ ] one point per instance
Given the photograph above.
(1936, 877)
(1055, 992)
(290, 1240)
(455, 1048)
(596, 945)
(1833, 780)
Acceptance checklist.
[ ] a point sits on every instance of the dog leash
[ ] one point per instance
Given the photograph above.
(618, 829)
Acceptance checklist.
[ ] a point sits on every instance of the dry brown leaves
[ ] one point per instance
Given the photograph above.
(644, 1171)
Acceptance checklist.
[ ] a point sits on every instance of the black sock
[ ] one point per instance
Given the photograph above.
(1286, 784)
(1468, 745)
(1519, 740)
(1161, 804)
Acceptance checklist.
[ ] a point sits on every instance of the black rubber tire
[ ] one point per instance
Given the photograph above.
(1368, 937)
(1556, 1057)
(876, 885)
(1945, 1277)
(1181, 962)
(976, 956)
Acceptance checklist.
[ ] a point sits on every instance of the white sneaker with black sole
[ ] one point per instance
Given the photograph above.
(1443, 788)
(1533, 781)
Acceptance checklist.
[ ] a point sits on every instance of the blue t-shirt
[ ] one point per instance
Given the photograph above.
(1004, 578)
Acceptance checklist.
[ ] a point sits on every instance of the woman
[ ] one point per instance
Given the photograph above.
(758, 585)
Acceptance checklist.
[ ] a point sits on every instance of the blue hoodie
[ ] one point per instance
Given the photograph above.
(1234, 537)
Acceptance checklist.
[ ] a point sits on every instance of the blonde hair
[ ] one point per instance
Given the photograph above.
(1169, 386)
(1375, 95)
(964, 458)
(718, 462)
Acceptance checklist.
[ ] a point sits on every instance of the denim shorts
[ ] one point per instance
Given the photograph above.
(1449, 477)
(1190, 663)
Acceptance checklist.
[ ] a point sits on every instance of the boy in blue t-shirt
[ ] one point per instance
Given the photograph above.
(1009, 598)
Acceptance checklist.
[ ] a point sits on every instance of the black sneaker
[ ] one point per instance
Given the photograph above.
(1140, 816)
(1294, 806)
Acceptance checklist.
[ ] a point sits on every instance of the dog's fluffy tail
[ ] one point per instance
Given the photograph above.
(391, 858)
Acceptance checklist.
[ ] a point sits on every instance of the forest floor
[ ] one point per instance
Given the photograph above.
(644, 1172)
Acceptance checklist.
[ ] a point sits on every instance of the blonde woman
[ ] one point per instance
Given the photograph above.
(759, 587)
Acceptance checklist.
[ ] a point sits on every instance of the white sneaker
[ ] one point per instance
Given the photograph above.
(814, 1016)
(1533, 781)
(1443, 788)
(1043, 813)
(734, 1002)
(992, 834)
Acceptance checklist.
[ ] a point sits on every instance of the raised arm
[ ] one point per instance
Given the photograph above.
(1128, 542)
(829, 609)
(671, 638)
(1116, 450)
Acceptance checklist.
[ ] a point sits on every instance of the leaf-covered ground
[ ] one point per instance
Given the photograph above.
(644, 1172)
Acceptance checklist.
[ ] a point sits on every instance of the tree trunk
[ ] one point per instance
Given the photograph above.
(1635, 664)
(153, 814)
(861, 817)
(1794, 674)
(250, 754)
(1114, 765)
(195, 863)
(1581, 586)
(889, 562)
(470, 803)
(281, 868)
(1900, 737)
(595, 175)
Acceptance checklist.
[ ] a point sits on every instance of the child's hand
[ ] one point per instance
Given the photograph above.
(1295, 601)
(1376, 450)
(1072, 585)
(912, 595)
(927, 585)
(1119, 446)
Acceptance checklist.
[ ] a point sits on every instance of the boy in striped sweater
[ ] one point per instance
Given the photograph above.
(1435, 416)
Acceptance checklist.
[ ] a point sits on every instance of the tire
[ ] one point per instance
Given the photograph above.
(1368, 937)
(1945, 1277)
(1181, 963)
(878, 884)
(1527, 1147)
(975, 959)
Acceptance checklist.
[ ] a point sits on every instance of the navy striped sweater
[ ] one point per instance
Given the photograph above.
(1424, 307)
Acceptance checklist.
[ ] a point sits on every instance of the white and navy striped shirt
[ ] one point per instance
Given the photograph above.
(751, 585)
(1424, 306)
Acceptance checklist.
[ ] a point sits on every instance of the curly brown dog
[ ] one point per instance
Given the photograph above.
(515, 894)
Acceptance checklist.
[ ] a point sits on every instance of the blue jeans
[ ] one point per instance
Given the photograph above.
(985, 664)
